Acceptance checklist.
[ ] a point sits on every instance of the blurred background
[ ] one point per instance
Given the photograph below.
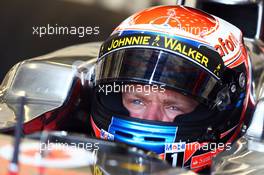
(18, 18)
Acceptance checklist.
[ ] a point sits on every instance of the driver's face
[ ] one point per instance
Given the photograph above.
(158, 105)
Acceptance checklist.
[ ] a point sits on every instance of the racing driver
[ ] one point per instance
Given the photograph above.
(176, 81)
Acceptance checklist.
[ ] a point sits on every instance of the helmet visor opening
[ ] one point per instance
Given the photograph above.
(151, 66)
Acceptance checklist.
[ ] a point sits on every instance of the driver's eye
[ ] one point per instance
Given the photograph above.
(137, 102)
(173, 108)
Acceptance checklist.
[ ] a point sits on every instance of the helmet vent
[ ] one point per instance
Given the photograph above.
(123, 134)
(154, 139)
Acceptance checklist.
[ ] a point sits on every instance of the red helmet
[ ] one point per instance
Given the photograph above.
(187, 51)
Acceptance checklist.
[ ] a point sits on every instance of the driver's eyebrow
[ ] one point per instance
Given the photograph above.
(137, 95)
(170, 101)
(174, 102)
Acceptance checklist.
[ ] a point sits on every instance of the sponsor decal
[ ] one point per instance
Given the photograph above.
(202, 160)
(174, 153)
(200, 55)
(175, 147)
(226, 45)
(106, 135)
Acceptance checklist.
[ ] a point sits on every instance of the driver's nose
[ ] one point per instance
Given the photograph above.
(153, 112)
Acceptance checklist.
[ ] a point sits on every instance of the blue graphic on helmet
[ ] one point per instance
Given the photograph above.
(147, 136)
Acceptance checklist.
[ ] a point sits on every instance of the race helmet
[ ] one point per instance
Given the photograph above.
(187, 51)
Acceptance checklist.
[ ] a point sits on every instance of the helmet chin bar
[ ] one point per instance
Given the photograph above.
(149, 136)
